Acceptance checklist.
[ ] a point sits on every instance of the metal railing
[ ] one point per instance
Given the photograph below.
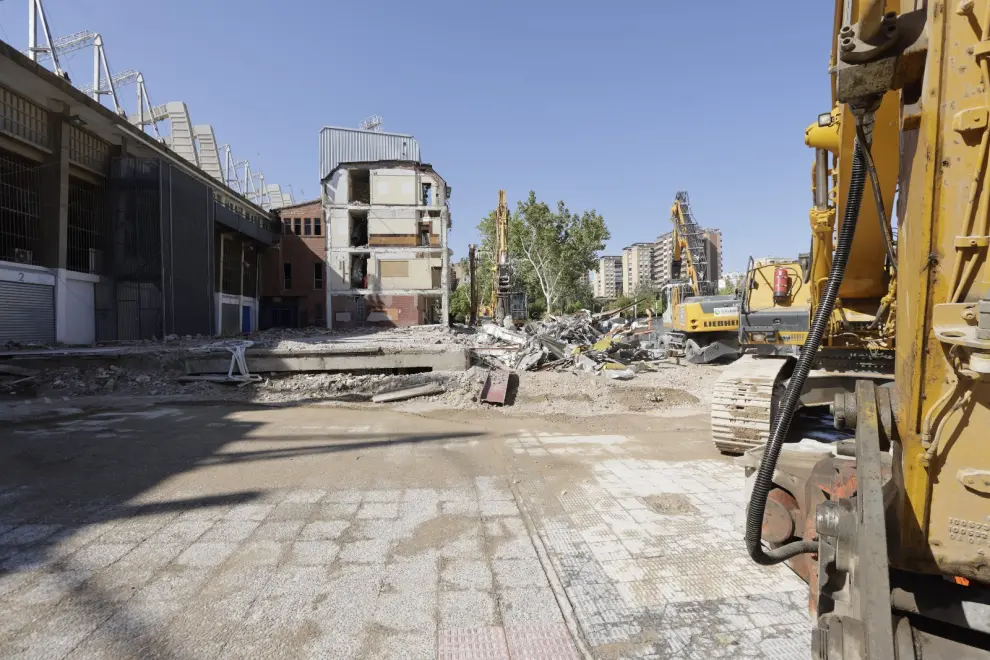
(23, 119)
(20, 209)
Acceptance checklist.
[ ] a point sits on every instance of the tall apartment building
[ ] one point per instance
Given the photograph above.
(637, 267)
(293, 291)
(608, 277)
(663, 255)
(713, 251)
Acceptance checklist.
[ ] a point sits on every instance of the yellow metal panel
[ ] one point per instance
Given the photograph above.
(864, 276)
(942, 411)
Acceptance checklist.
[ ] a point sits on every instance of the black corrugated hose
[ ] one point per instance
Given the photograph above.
(785, 412)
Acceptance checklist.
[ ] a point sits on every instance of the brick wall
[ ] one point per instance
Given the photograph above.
(303, 253)
(388, 311)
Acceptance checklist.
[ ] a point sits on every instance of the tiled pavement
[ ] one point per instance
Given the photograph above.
(302, 573)
(644, 554)
(650, 555)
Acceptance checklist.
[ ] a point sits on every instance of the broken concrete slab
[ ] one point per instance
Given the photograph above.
(505, 334)
(353, 360)
(408, 393)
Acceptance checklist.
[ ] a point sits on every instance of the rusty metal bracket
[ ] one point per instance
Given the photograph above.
(853, 572)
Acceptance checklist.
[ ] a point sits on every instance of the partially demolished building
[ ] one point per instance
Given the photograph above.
(388, 219)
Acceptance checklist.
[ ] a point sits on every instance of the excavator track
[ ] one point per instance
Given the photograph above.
(742, 402)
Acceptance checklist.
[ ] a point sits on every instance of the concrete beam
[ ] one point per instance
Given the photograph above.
(388, 292)
(388, 250)
(454, 360)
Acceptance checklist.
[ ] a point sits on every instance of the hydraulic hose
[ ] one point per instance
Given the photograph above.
(871, 168)
(788, 405)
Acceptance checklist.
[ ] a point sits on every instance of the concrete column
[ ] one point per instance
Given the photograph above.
(218, 306)
(54, 230)
(444, 272)
(473, 320)
(240, 301)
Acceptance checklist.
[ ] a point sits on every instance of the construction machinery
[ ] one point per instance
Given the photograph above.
(779, 300)
(780, 297)
(696, 323)
(509, 305)
(891, 528)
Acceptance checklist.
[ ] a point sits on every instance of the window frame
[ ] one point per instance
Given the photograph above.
(319, 275)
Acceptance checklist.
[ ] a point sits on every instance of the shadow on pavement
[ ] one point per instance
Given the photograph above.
(66, 483)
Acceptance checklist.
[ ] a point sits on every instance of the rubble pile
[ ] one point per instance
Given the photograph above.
(578, 342)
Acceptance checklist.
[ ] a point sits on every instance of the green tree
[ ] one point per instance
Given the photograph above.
(551, 249)
(460, 302)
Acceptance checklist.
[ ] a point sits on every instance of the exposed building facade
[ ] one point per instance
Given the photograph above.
(387, 257)
(608, 277)
(713, 252)
(107, 234)
(294, 273)
(637, 267)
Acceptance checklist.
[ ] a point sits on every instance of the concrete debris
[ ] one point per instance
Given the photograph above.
(408, 393)
(577, 342)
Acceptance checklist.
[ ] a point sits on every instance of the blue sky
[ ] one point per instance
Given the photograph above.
(611, 106)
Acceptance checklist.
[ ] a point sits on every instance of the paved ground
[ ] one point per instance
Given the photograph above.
(225, 532)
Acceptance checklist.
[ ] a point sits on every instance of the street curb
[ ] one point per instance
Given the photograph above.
(566, 610)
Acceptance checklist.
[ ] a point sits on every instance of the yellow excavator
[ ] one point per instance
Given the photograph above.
(891, 527)
(696, 323)
(780, 298)
(509, 305)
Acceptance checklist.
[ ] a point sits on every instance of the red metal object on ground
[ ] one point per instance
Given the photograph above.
(496, 387)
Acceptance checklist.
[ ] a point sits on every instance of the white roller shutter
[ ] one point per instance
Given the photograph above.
(27, 313)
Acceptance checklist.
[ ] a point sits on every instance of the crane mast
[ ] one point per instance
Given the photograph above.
(503, 269)
(689, 245)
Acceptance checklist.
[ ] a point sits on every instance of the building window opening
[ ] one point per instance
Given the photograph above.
(318, 275)
(360, 186)
(287, 276)
(231, 272)
(424, 235)
(427, 194)
(297, 226)
(249, 285)
(359, 228)
(308, 227)
(286, 226)
(359, 271)
(87, 227)
(317, 226)
(20, 210)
